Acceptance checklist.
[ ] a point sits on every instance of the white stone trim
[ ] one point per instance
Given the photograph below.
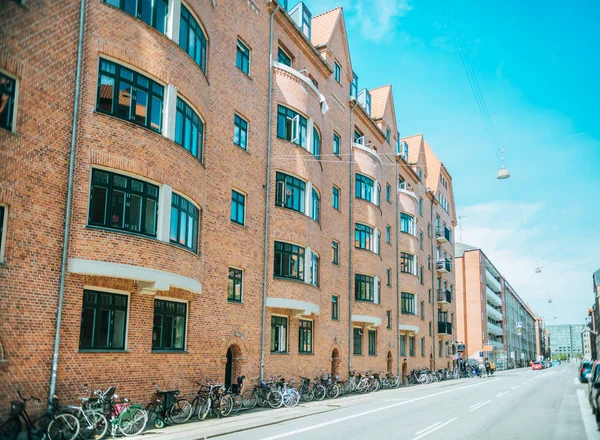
(174, 20)
(368, 150)
(371, 321)
(408, 328)
(170, 113)
(149, 280)
(163, 226)
(306, 80)
(299, 308)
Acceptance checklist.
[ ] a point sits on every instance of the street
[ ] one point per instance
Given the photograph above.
(517, 404)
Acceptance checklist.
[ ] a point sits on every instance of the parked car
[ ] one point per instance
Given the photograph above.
(536, 366)
(584, 369)
(594, 376)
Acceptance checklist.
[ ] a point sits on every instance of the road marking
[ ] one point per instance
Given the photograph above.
(383, 408)
(525, 383)
(477, 404)
(575, 380)
(435, 429)
(590, 429)
(516, 387)
(427, 429)
(480, 406)
(502, 394)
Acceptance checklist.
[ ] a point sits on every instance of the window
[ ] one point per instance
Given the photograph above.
(407, 263)
(283, 57)
(305, 336)
(168, 332)
(316, 205)
(129, 95)
(235, 286)
(336, 144)
(316, 144)
(388, 189)
(189, 129)
(420, 205)
(402, 345)
(365, 188)
(422, 347)
(335, 198)
(3, 219)
(388, 273)
(240, 132)
(430, 329)
(429, 262)
(288, 261)
(429, 296)
(372, 342)
(408, 303)
(354, 87)
(238, 207)
(278, 334)
(358, 137)
(364, 287)
(335, 252)
(429, 230)
(407, 224)
(420, 173)
(422, 310)
(363, 237)
(8, 88)
(335, 307)
(421, 274)
(411, 345)
(314, 269)
(357, 340)
(103, 321)
(242, 58)
(124, 203)
(192, 38)
(421, 239)
(387, 135)
(439, 348)
(337, 72)
(184, 223)
(388, 233)
(291, 126)
(152, 12)
(290, 192)
(388, 315)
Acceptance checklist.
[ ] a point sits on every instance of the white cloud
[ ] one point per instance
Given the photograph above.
(517, 237)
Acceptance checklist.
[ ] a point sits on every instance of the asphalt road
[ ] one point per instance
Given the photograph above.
(519, 404)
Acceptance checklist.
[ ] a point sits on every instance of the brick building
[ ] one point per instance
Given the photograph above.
(216, 226)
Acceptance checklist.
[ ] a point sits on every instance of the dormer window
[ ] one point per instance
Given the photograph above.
(364, 99)
(302, 17)
(283, 57)
(337, 72)
(387, 135)
(354, 87)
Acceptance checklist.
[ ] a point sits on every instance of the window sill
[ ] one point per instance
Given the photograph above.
(232, 301)
(101, 350)
(169, 351)
(7, 131)
(247, 75)
(279, 352)
(239, 147)
(239, 225)
(408, 313)
(306, 354)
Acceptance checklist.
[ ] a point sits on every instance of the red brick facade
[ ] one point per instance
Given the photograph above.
(38, 47)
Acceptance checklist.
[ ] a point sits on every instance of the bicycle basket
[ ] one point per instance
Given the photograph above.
(235, 388)
(16, 406)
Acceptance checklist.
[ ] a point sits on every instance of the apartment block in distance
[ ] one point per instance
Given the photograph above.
(491, 312)
(210, 197)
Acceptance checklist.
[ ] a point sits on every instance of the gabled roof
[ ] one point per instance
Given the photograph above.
(415, 145)
(323, 28)
(382, 103)
(433, 167)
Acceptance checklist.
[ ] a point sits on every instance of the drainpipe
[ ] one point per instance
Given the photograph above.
(63, 267)
(433, 285)
(351, 247)
(397, 269)
(267, 198)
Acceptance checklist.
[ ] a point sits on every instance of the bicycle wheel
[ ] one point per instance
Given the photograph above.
(10, 429)
(132, 421)
(275, 399)
(333, 391)
(307, 393)
(249, 399)
(261, 396)
(319, 392)
(92, 425)
(237, 403)
(180, 411)
(225, 405)
(63, 427)
(205, 404)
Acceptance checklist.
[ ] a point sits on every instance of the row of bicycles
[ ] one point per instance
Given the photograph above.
(103, 411)
(425, 376)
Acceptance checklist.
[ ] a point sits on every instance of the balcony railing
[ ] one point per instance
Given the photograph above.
(443, 234)
(493, 297)
(492, 282)
(444, 328)
(492, 312)
(494, 329)
(444, 265)
(444, 296)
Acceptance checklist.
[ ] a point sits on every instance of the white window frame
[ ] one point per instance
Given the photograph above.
(187, 315)
(16, 103)
(287, 333)
(3, 228)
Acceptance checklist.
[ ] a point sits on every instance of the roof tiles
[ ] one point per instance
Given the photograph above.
(322, 26)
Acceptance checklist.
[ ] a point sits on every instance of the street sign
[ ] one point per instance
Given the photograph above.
(518, 331)
(481, 354)
(512, 355)
(519, 325)
(461, 347)
(488, 348)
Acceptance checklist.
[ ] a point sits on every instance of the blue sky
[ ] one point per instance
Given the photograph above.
(538, 70)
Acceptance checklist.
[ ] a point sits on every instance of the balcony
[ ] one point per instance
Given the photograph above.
(492, 297)
(444, 328)
(444, 296)
(444, 266)
(494, 329)
(492, 282)
(498, 345)
(443, 234)
(298, 308)
(493, 313)
(371, 322)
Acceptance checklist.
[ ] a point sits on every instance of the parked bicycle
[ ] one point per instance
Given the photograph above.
(93, 424)
(166, 409)
(124, 417)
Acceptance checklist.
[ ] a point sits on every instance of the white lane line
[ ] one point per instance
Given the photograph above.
(590, 429)
(427, 429)
(480, 406)
(477, 404)
(516, 387)
(365, 413)
(502, 394)
(435, 429)
(575, 380)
